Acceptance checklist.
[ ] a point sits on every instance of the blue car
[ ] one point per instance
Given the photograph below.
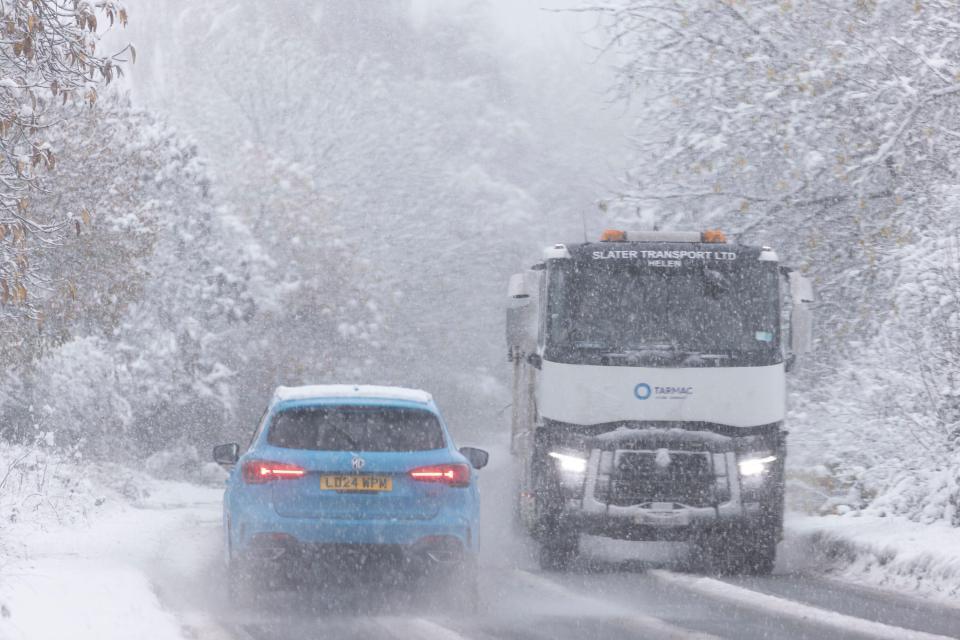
(335, 470)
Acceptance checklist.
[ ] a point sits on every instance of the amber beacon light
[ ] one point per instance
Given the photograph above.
(613, 235)
(713, 236)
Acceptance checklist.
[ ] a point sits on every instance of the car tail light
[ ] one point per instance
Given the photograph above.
(454, 475)
(260, 471)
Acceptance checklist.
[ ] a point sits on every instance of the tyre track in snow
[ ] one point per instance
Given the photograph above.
(631, 621)
(787, 609)
(893, 609)
(719, 607)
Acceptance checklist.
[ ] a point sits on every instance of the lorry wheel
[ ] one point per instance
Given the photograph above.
(711, 552)
(558, 551)
(749, 551)
(759, 553)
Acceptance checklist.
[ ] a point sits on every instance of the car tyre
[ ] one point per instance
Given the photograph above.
(239, 584)
(470, 589)
(455, 586)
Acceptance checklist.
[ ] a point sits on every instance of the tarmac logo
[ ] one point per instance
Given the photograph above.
(642, 391)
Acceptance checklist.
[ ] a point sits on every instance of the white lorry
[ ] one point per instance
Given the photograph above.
(649, 394)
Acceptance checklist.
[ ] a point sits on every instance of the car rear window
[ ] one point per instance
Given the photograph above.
(343, 428)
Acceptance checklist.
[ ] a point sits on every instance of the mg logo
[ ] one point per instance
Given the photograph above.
(357, 463)
(642, 391)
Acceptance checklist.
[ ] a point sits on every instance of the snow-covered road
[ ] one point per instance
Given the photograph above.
(607, 595)
(153, 570)
(598, 599)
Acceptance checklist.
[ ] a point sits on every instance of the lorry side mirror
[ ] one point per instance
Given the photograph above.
(801, 289)
(521, 314)
(518, 289)
(517, 320)
(801, 329)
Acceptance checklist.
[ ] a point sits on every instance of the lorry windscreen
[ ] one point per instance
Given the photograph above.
(626, 309)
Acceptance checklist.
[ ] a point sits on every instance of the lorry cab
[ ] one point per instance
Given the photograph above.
(649, 393)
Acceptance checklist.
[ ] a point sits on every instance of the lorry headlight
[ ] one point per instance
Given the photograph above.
(569, 463)
(755, 466)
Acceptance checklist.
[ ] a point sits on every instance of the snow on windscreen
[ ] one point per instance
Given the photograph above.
(629, 305)
(344, 428)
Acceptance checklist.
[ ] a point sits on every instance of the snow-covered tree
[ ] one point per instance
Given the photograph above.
(826, 130)
(411, 147)
(317, 318)
(138, 335)
(48, 56)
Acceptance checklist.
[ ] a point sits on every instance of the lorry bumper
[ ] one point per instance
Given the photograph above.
(671, 520)
(660, 522)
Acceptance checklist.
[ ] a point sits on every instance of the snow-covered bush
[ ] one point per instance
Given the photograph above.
(144, 298)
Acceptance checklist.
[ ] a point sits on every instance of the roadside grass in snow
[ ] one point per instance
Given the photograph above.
(889, 552)
(77, 541)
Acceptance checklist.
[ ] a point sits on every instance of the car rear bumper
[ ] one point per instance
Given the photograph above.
(423, 556)
(251, 532)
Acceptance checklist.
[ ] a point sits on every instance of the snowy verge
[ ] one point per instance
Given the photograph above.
(890, 552)
(79, 542)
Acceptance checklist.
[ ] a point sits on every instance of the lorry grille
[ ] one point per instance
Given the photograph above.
(639, 477)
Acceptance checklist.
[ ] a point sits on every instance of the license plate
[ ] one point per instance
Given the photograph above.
(677, 518)
(356, 483)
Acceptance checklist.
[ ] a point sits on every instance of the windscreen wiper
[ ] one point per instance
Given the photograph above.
(644, 349)
(644, 354)
(712, 356)
(690, 357)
